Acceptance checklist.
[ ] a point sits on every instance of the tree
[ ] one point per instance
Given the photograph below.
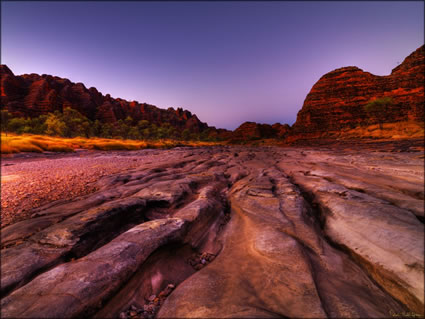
(55, 126)
(76, 123)
(107, 130)
(121, 129)
(134, 133)
(38, 124)
(194, 136)
(153, 132)
(162, 132)
(129, 121)
(167, 131)
(143, 127)
(376, 109)
(17, 125)
(186, 134)
(172, 132)
(146, 133)
(205, 135)
(143, 124)
(97, 128)
(5, 117)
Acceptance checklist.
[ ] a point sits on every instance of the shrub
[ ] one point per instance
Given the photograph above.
(378, 105)
(17, 125)
(5, 117)
(55, 126)
(376, 108)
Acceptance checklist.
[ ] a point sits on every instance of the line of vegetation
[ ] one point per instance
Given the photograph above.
(70, 130)
(71, 123)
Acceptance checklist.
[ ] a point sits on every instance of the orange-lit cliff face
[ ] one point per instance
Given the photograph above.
(34, 95)
(337, 100)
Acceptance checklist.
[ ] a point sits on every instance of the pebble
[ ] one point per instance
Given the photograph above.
(148, 310)
(200, 260)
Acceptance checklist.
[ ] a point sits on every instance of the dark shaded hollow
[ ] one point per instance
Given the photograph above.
(420, 218)
(167, 265)
(107, 231)
(98, 235)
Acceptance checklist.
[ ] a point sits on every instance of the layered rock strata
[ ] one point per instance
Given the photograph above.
(33, 95)
(253, 131)
(337, 100)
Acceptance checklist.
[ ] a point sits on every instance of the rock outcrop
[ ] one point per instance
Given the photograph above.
(337, 100)
(254, 131)
(228, 232)
(33, 95)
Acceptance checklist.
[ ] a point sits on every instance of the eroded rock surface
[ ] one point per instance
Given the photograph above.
(235, 232)
(337, 100)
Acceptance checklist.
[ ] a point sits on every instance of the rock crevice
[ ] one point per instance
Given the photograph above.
(270, 232)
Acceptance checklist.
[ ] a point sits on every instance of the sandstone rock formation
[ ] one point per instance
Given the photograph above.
(281, 130)
(228, 232)
(34, 95)
(337, 100)
(254, 131)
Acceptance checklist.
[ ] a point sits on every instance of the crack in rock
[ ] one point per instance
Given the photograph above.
(227, 232)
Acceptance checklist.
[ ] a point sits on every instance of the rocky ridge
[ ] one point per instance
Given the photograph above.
(33, 95)
(336, 103)
(228, 232)
(337, 100)
(255, 131)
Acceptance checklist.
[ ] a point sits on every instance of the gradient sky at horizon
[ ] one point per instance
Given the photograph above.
(227, 62)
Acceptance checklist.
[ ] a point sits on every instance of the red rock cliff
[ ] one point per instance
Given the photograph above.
(337, 100)
(253, 131)
(33, 95)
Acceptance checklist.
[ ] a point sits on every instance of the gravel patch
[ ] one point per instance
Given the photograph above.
(33, 182)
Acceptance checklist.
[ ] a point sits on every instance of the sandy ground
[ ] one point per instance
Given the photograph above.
(29, 181)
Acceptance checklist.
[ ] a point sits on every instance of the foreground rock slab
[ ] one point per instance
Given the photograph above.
(236, 232)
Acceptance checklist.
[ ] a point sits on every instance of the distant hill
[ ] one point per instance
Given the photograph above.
(346, 101)
(33, 95)
(340, 99)
(251, 131)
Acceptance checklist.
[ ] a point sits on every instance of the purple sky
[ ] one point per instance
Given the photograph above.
(227, 62)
